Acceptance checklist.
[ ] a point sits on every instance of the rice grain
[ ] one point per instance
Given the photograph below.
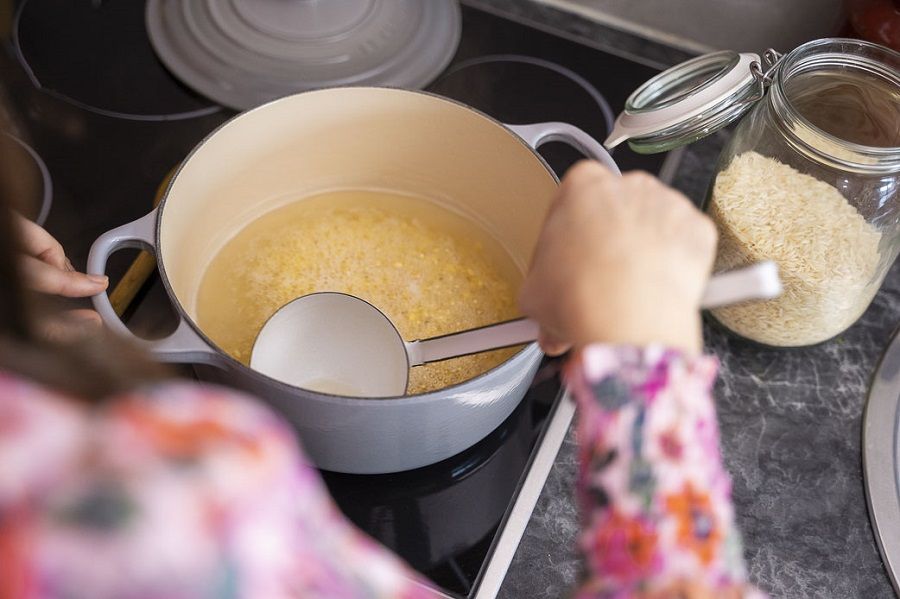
(827, 253)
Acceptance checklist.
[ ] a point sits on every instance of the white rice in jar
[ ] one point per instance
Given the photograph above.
(827, 253)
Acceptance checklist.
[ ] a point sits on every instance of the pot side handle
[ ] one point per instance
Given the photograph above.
(182, 346)
(538, 134)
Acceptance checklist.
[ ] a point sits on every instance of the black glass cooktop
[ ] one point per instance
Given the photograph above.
(109, 123)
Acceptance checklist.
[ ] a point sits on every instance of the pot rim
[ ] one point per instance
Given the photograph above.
(526, 353)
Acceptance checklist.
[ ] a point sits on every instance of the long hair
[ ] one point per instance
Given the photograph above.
(90, 368)
(14, 317)
(14, 191)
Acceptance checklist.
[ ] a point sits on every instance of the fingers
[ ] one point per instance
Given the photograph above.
(585, 171)
(39, 243)
(587, 177)
(707, 229)
(609, 247)
(46, 278)
(46, 268)
(551, 345)
(69, 325)
(530, 305)
(581, 178)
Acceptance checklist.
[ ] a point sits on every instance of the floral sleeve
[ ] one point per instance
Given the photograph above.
(655, 498)
(177, 492)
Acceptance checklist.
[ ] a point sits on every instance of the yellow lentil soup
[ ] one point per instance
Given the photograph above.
(430, 270)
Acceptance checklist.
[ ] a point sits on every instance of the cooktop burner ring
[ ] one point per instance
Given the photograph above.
(608, 114)
(41, 83)
(46, 196)
(520, 89)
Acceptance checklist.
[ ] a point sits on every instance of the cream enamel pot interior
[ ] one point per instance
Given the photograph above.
(411, 142)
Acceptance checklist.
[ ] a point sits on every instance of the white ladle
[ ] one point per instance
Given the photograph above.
(340, 344)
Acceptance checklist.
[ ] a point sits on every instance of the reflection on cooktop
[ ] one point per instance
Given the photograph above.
(33, 182)
(97, 56)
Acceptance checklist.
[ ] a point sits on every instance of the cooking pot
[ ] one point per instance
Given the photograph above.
(414, 143)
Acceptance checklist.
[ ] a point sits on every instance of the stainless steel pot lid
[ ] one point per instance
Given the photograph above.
(691, 100)
(881, 458)
(243, 53)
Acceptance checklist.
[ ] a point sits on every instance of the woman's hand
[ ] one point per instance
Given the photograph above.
(620, 260)
(46, 269)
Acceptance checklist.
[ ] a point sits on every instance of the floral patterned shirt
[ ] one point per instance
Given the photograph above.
(188, 491)
(654, 497)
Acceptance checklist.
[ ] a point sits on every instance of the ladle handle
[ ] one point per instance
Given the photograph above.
(473, 341)
(758, 281)
(755, 282)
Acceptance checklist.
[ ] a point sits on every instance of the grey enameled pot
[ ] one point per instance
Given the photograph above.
(411, 142)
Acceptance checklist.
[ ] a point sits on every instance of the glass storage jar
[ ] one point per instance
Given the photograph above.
(810, 178)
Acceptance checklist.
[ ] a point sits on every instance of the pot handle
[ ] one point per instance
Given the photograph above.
(182, 346)
(538, 134)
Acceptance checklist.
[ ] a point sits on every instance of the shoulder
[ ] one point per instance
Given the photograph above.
(40, 431)
(185, 420)
(173, 422)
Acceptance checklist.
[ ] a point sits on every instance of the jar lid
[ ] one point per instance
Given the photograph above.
(689, 101)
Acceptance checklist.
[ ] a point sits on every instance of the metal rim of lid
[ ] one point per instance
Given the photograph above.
(213, 48)
(881, 458)
(687, 102)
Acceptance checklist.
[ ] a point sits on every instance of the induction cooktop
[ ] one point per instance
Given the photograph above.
(108, 122)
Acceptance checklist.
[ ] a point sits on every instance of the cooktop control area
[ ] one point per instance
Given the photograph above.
(104, 123)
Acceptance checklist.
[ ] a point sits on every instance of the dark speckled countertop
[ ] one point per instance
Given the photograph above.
(790, 423)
